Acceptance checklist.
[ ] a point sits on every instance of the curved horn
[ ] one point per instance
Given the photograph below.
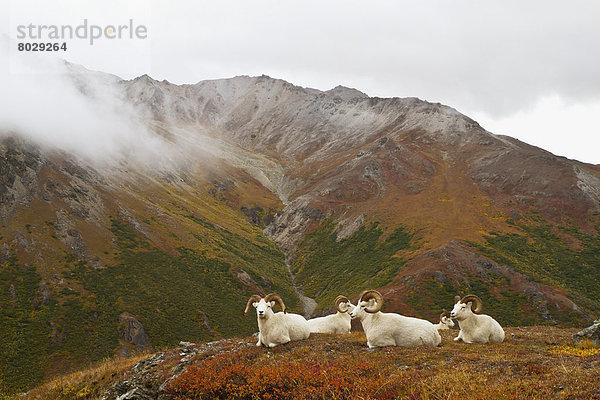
(275, 297)
(456, 299)
(372, 294)
(477, 305)
(339, 300)
(444, 313)
(251, 300)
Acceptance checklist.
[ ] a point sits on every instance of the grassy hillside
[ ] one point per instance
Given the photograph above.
(563, 257)
(189, 296)
(326, 267)
(24, 333)
(507, 306)
(532, 363)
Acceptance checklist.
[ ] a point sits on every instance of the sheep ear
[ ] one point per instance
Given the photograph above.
(272, 304)
(255, 304)
(343, 307)
(456, 299)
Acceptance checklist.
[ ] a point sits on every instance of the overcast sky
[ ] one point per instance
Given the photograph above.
(528, 69)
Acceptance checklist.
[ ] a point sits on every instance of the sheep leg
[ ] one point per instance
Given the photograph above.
(459, 337)
(259, 340)
(284, 340)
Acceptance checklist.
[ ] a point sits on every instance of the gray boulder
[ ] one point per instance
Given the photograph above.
(591, 332)
(133, 338)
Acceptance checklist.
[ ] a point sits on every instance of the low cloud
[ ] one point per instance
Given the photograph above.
(67, 107)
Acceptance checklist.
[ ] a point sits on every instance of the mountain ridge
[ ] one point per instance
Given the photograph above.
(247, 174)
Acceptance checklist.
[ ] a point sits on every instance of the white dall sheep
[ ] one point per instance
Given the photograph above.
(475, 327)
(388, 329)
(445, 321)
(335, 323)
(276, 328)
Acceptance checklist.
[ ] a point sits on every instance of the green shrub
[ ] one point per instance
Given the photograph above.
(326, 267)
(540, 253)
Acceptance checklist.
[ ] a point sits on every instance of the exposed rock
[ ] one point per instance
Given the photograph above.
(20, 163)
(13, 295)
(133, 338)
(75, 170)
(22, 242)
(266, 283)
(206, 323)
(246, 279)
(290, 224)
(56, 333)
(148, 379)
(591, 333)
(57, 280)
(253, 214)
(373, 171)
(46, 196)
(268, 217)
(141, 385)
(73, 239)
(43, 295)
(345, 93)
(223, 185)
(346, 227)
(439, 277)
(5, 253)
(80, 213)
(486, 264)
(220, 188)
(126, 216)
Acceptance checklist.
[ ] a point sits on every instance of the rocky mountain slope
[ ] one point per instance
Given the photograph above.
(350, 161)
(260, 185)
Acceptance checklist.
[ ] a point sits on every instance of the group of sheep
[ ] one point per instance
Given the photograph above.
(381, 329)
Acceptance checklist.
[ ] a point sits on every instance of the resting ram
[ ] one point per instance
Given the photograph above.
(475, 327)
(276, 328)
(388, 329)
(335, 323)
(445, 321)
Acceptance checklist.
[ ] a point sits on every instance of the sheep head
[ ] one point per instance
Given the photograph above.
(466, 305)
(342, 303)
(273, 299)
(264, 305)
(370, 301)
(446, 319)
(252, 301)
